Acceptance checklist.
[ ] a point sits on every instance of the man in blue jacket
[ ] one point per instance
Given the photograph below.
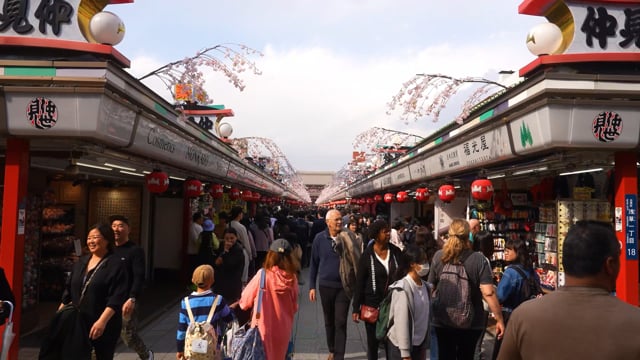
(325, 268)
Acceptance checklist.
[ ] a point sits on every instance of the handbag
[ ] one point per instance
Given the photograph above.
(369, 314)
(246, 344)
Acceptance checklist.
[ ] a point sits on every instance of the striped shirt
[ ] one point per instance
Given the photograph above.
(200, 306)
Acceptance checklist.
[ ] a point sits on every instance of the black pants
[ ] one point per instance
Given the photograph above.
(105, 346)
(498, 342)
(457, 344)
(335, 306)
(372, 342)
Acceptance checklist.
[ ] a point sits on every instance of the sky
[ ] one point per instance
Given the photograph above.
(329, 67)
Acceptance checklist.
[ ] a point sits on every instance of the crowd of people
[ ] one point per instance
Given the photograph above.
(442, 290)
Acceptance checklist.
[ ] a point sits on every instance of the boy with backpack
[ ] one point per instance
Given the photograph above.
(203, 318)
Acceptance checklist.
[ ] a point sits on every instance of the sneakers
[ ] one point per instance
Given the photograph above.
(150, 355)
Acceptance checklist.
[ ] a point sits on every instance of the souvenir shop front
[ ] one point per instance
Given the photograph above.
(81, 139)
(559, 146)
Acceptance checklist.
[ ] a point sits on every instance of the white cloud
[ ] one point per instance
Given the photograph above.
(314, 98)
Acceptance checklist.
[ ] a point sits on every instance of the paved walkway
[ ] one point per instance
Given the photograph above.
(310, 344)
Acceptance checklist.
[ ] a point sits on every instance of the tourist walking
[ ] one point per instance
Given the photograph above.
(279, 300)
(377, 269)
(582, 319)
(325, 270)
(410, 301)
(457, 339)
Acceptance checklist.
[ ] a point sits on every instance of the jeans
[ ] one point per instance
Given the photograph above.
(335, 306)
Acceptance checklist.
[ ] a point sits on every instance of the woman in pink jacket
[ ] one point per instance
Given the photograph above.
(279, 301)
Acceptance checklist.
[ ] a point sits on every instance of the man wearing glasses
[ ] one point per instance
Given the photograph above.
(325, 268)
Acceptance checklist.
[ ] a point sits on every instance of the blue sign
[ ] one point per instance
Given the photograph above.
(631, 225)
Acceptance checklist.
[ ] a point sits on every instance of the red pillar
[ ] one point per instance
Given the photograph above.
(626, 183)
(14, 201)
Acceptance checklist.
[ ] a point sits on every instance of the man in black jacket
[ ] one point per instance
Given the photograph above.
(133, 256)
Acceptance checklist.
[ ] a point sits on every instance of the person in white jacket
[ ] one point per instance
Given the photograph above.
(409, 313)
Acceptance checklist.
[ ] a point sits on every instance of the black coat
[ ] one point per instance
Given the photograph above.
(228, 275)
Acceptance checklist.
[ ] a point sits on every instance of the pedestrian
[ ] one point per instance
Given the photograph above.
(377, 269)
(517, 256)
(455, 342)
(229, 266)
(208, 244)
(200, 302)
(474, 228)
(483, 243)
(408, 334)
(195, 228)
(426, 241)
(263, 236)
(134, 258)
(355, 227)
(97, 288)
(279, 301)
(235, 216)
(582, 319)
(325, 269)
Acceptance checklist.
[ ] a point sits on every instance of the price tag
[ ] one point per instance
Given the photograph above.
(199, 346)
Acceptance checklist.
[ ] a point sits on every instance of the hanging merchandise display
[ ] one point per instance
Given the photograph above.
(422, 194)
(447, 193)
(482, 189)
(217, 191)
(388, 197)
(157, 181)
(402, 196)
(192, 188)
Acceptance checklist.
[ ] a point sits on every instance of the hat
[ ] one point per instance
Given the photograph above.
(203, 276)
(280, 246)
(208, 225)
(122, 218)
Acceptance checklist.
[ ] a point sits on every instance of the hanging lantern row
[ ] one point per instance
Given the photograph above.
(481, 190)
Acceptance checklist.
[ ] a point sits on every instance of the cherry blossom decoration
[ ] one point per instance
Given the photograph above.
(265, 154)
(427, 95)
(229, 59)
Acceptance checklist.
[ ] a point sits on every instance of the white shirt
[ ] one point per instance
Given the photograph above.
(194, 233)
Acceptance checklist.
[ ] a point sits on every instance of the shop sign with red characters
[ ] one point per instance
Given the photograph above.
(42, 113)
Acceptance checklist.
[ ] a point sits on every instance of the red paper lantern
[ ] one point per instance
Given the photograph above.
(388, 197)
(447, 193)
(482, 189)
(247, 195)
(234, 194)
(362, 201)
(370, 201)
(422, 194)
(192, 188)
(217, 191)
(377, 198)
(402, 196)
(157, 181)
(256, 196)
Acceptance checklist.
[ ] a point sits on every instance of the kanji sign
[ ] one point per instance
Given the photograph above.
(42, 113)
(631, 225)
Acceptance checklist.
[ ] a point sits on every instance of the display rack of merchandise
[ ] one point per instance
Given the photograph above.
(551, 230)
(31, 245)
(514, 225)
(56, 250)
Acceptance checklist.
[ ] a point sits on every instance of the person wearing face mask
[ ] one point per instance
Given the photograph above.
(408, 334)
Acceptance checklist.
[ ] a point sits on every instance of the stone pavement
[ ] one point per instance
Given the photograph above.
(159, 334)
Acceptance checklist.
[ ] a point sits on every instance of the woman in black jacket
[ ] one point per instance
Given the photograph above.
(97, 287)
(228, 268)
(377, 269)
